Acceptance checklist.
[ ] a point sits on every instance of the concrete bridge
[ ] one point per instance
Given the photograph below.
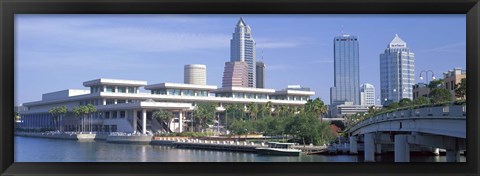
(439, 127)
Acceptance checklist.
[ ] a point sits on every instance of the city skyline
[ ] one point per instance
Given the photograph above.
(281, 73)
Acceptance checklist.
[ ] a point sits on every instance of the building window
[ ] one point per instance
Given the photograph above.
(122, 114)
(121, 101)
(114, 115)
(122, 89)
(110, 89)
(114, 128)
(110, 101)
(107, 115)
(131, 90)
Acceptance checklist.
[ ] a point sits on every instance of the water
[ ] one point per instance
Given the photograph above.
(29, 149)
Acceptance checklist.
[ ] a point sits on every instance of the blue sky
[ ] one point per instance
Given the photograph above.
(57, 52)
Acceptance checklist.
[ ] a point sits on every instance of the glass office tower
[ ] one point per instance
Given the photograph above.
(242, 48)
(346, 71)
(397, 71)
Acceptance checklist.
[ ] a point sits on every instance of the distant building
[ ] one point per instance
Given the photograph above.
(420, 90)
(346, 71)
(344, 110)
(260, 71)
(397, 71)
(242, 48)
(452, 78)
(195, 74)
(367, 95)
(235, 74)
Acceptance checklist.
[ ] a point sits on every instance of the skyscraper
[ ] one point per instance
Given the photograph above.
(367, 95)
(346, 71)
(242, 48)
(195, 74)
(235, 74)
(397, 69)
(260, 74)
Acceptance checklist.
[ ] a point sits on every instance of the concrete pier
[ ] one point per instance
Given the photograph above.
(369, 147)
(353, 145)
(402, 148)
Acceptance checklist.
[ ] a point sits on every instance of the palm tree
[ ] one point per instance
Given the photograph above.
(58, 113)
(78, 112)
(269, 106)
(164, 116)
(252, 109)
(89, 110)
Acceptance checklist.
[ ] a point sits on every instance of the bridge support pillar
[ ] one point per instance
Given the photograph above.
(369, 148)
(402, 149)
(453, 156)
(378, 149)
(353, 145)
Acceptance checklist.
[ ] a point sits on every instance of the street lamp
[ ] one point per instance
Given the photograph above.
(426, 75)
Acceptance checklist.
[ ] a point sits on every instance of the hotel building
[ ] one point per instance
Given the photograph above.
(397, 71)
(121, 107)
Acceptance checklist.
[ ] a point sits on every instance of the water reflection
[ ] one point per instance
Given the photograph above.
(54, 150)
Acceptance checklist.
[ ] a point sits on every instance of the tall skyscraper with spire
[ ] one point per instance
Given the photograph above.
(242, 48)
(397, 71)
(346, 71)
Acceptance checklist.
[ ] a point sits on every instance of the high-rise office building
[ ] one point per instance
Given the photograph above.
(195, 74)
(235, 74)
(346, 71)
(397, 71)
(367, 95)
(242, 48)
(260, 71)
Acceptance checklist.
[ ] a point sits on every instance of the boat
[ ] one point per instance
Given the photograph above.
(278, 148)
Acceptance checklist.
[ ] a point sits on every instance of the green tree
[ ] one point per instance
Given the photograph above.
(461, 90)
(316, 106)
(440, 95)
(90, 109)
(82, 112)
(164, 116)
(393, 105)
(435, 84)
(204, 113)
(421, 101)
(404, 102)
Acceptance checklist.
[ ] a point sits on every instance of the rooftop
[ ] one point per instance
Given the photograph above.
(180, 86)
(119, 82)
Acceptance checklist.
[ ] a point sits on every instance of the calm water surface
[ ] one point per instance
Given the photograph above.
(29, 149)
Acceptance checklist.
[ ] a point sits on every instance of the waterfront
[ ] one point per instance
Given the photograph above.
(28, 149)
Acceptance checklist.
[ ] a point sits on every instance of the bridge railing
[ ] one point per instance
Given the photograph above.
(450, 110)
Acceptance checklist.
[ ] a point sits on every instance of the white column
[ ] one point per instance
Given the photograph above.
(402, 149)
(453, 155)
(353, 145)
(436, 151)
(369, 147)
(104, 101)
(116, 90)
(180, 121)
(104, 88)
(144, 121)
(134, 120)
(378, 148)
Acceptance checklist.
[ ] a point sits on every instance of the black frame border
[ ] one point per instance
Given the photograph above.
(8, 8)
